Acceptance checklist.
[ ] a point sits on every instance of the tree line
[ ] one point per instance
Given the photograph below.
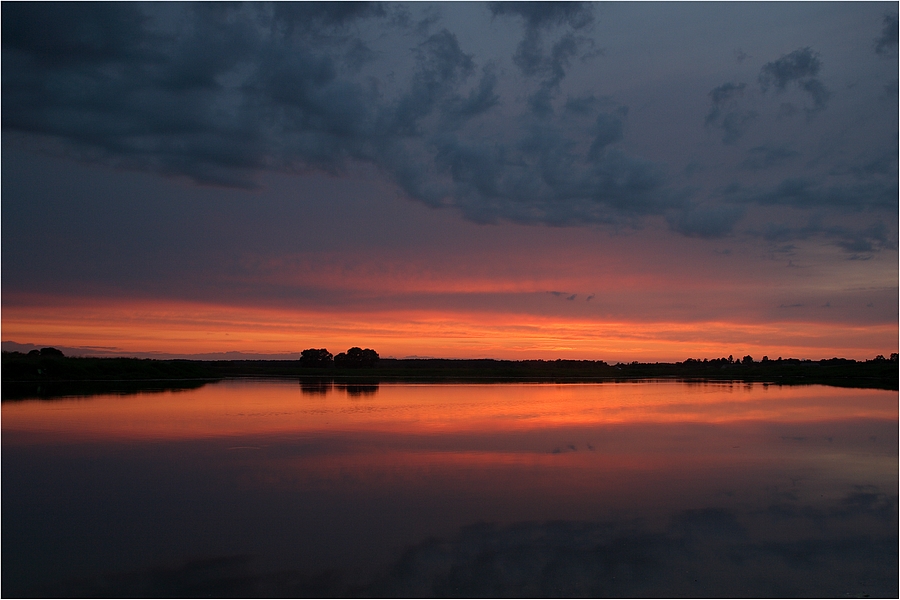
(355, 357)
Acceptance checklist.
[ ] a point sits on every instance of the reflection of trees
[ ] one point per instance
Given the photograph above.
(359, 389)
(321, 387)
(316, 387)
(57, 390)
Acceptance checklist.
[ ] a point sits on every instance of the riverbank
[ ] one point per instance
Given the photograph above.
(24, 371)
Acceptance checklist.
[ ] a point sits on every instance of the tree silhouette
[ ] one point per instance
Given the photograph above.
(355, 358)
(315, 357)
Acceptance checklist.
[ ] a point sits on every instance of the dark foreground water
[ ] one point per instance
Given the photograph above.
(625, 489)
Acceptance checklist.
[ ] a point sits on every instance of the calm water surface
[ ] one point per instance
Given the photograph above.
(630, 489)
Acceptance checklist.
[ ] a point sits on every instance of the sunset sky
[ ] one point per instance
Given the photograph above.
(624, 181)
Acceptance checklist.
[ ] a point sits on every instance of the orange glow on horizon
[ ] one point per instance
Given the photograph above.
(186, 328)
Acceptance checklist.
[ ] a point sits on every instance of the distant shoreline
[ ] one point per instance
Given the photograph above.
(23, 374)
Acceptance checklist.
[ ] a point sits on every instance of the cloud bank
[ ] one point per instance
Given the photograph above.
(527, 129)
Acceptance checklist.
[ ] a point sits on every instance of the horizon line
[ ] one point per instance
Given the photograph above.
(111, 352)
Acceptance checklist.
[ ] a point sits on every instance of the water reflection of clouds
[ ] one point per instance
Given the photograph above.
(321, 485)
(220, 409)
(706, 552)
(702, 552)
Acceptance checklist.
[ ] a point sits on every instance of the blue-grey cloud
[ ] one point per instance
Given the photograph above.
(707, 221)
(863, 243)
(480, 99)
(540, 15)
(887, 42)
(530, 56)
(806, 193)
(226, 98)
(767, 156)
(800, 67)
(441, 66)
(797, 65)
(314, 15)
(735, 124)
(543, 177)
(726, 113)
(220, 93)
(858, 243)
(608, 129)
(818, 93)
(723, 94)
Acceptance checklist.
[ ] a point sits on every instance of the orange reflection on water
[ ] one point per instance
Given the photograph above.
(333, 475)
(243, 408)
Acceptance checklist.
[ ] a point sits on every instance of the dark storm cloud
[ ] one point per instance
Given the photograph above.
(539, 18)
(887, 43)
(882, 165)
(726, 114)
(800, 67)
(608, 130)
(723, 94)
(172, 109)
(219, 93)
(310, 15)
(480, 99)
(544, 177)
(72, 32)
(818, 93)
(727, 107)
(707, 221)
(442, 65)
(106, 87)
(806, 193)
(530, 57)
(767, 156)
(858, 244)
(735, 124)
(799, 64)
(863, 243)
(238, 89)
(540, 15)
